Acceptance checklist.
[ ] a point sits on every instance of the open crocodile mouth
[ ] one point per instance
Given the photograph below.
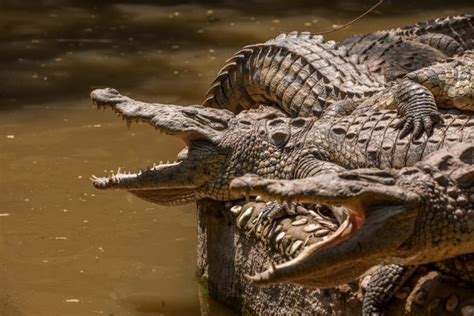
(167, 183)
(349, 197)
(351, 221)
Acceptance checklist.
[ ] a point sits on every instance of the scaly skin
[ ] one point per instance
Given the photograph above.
(399, 51)
(416, 215)
(448, 85)
(303, 76)
(299, 72)
(222, 146)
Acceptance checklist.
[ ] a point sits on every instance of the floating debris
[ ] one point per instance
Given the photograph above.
(73, 300)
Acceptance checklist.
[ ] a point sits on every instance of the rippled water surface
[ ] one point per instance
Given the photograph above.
(67, 249)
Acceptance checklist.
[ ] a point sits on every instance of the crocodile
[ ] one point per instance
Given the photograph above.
(406, 217)
(397, 52)
(222, 145)
(304, 76)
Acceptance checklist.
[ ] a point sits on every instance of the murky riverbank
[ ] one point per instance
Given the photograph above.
(67, 249)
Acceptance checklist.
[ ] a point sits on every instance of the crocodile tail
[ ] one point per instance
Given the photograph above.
(227, 90)
(239, 85)
(297, 72)
(459, 28)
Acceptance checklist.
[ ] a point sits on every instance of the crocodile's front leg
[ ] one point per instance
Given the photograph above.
(417, 105)
(447, 85)
(384, 283)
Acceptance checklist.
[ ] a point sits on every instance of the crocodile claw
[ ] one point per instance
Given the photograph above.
(418, 125)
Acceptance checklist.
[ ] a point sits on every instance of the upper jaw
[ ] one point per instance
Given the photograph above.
(187, 122)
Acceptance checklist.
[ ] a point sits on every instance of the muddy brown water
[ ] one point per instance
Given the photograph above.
(66, 248)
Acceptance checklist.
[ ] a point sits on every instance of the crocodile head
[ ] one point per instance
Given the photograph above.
(219, 147)
(415, 215)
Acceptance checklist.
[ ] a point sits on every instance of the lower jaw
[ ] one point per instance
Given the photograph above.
(168, 197)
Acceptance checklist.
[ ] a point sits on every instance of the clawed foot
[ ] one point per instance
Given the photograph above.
(418, 124)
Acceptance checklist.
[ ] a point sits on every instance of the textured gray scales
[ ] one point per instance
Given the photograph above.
(300, 73)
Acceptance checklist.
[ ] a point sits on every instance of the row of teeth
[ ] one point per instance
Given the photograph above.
(115, 177)
(128, 120)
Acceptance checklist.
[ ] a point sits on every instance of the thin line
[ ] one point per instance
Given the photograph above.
(353, 21)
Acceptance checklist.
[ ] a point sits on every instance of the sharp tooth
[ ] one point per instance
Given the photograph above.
(306, 241)
(321, 233)
(311, 228)
(244, 217)
(236, 209)
(300, 222)
(279, 237)
(295, 246)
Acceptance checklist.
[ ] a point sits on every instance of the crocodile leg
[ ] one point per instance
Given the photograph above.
(384, 283)
(417, 105)
(447, 85)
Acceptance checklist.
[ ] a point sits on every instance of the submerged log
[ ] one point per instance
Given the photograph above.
(226, 253)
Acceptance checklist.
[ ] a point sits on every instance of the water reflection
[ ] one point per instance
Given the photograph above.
(66, 248)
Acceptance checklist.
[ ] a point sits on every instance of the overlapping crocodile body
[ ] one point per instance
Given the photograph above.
(299, 72)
